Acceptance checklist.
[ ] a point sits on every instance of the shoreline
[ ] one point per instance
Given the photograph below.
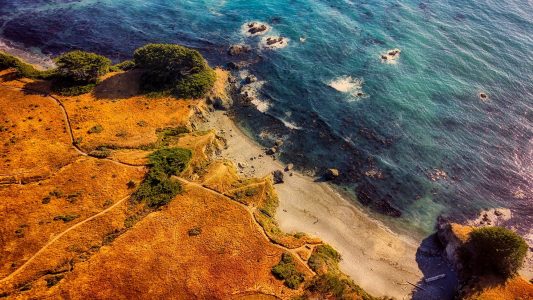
(38, 60)
(380, 261)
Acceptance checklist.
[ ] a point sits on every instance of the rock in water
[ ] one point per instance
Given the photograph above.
(278, 176)
(332, 174)
(238, 49)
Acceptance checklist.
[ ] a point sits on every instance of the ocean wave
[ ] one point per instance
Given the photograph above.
(348, 85)
(290, 125)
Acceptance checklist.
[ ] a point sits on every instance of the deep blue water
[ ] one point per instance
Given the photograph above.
(420, 114)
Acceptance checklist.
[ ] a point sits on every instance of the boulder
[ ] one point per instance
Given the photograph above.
(277, 176)
(250, 78)
(289, 167)
(238, 49)
(272, 151)
(332, 174)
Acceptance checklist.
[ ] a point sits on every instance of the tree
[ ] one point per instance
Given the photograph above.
(176, 68)
(494, 250)
(82, 67)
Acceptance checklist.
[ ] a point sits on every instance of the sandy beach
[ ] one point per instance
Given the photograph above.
(380, 261)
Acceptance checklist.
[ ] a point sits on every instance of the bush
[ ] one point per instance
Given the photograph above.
(170, 161)
(338, 287)
(196, 85)
(324, 256)
(494, 250)
(123, 66)
(22, 69)
(176, 68)
(158, 188)
(286, 270)
(81, 67)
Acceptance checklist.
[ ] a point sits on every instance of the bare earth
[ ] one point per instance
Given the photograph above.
(379, 260)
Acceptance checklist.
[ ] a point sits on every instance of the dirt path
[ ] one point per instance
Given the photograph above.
(69, 125)
(57, 237)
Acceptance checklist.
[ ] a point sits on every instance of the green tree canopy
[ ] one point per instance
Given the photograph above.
(176, 68)
(82, 67)
(494, 250)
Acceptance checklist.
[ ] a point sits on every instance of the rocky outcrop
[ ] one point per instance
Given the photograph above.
(239, 49)
(277, 176)
(453, 236)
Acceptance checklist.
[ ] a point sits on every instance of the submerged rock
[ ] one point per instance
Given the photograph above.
(238, 49)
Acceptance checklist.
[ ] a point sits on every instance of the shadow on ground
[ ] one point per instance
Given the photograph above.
(431, 261)
(119, 86)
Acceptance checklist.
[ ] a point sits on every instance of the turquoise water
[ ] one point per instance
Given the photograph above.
(419, 115)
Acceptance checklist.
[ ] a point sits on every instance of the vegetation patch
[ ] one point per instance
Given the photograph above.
(158, 188)
(180, 70)
(53, 280)
(22, 69)
(324, 259)
(493, 250)
(123, 66)
(286, 270)
(334, 286)
(66, 218)
(78, 71)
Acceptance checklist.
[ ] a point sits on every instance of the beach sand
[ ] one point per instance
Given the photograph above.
(380, 261)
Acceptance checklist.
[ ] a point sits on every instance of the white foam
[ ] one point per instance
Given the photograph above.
(290, 125)
(348, 85)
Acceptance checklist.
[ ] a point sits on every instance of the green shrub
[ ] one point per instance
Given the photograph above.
(170, 161)
(53, 280)
(286, 270)
(123, 66)
(174, 67)
(22, 69)
(158, 188)
(95, 129)
(65, 88)
(66, 218)
(157, 191)
(494, 250)
(196, 85)
(324, 256)
(82, 67)
(337, 286)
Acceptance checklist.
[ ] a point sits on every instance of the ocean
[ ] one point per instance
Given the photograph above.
(412, 135)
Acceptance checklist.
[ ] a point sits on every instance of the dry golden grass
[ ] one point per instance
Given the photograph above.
(126, 119)
(461, 231)
(122, 250)
(158, 259)
(489, 288)
(34, 141)
(81, 189)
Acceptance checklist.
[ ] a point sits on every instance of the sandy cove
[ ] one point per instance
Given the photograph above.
(380, 261)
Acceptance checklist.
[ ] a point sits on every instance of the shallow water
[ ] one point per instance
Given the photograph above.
(419, 115)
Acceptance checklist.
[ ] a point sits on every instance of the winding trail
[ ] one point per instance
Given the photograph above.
(57, 237)
(68, 124)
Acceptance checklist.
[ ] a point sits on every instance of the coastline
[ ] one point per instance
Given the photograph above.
(37, 60)
(379, 260)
